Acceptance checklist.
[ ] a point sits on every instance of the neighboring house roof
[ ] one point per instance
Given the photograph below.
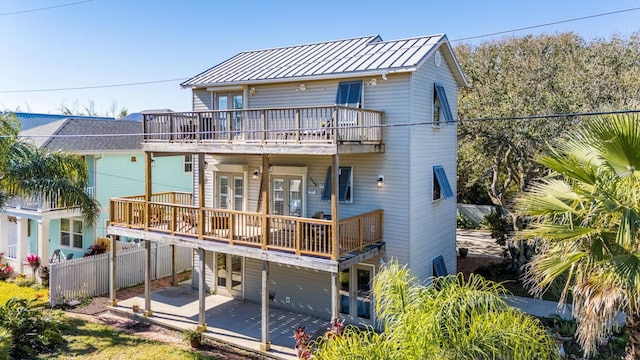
(361, 56)
(31, 120)
(75, 135)
(133, 117)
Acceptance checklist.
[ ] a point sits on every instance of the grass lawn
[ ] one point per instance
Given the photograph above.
(87, 340)
(10, 290)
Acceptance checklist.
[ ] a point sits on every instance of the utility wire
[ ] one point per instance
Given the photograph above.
(92, 87)
(547, 24)
(181, 79)
(329, 128)
(44, 8)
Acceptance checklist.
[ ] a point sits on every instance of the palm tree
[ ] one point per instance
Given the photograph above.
(586, 220)
(28, 171)
(453, 318)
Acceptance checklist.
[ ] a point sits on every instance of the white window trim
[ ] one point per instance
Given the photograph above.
(71, 234)
(294, 171)
(185, 162)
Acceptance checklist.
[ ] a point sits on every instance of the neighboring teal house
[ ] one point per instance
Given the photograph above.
(115, 160)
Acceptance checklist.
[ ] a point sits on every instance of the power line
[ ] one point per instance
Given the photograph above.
(329, 128)
(548, 24)
(181, 79)
(92, 87)
(44, 8)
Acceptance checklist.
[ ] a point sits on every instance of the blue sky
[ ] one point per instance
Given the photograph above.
(104, 42)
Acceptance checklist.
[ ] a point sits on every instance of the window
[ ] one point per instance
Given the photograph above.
(440, 105)
(345, 185)
(349, 93)
(441, 187)
(71, 233)
(188, 163)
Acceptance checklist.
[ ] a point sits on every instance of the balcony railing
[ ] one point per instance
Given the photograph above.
(314, 125)
(302, 236)
(40, 203)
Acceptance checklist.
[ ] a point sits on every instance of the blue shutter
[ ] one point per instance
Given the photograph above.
(326, 192)
(349, 93)
(441, 177)
(444, 103)
(344, 184)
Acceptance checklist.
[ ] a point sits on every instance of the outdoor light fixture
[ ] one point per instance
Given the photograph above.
(373, 82)
(256, 173)
(380, 181)
(206, 165)
(252, 91)
(301, 87)
(153, 162)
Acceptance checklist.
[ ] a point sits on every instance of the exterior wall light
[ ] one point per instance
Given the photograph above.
(255, 174)
(380, 181)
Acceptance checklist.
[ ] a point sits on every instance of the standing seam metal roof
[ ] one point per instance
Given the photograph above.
(363, 54)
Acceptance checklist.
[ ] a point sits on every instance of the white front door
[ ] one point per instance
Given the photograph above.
(230, 191)
(286, 195)
(229, 274)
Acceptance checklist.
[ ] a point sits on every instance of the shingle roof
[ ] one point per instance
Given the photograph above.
(76, 135)
(356, 56)
(31, 120)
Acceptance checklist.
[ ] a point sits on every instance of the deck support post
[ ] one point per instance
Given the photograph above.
(334, 296)
(113, 300)
(202, 316)
(147, 280)
(335, 179)
(265, 344)
(264, 187)
(174, 265)
(148, 191)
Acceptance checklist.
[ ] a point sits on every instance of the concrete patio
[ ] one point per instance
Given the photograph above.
(233, 321)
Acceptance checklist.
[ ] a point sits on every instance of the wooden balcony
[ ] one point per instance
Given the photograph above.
(309, 130)
(39, 203)
(171, 213)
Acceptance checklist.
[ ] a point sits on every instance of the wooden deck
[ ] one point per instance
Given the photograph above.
(171, 213)
(319, 128)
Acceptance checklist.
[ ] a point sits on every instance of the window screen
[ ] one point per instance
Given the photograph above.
(349, 93)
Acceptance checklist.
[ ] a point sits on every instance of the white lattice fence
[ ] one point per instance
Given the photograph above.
(89, 276)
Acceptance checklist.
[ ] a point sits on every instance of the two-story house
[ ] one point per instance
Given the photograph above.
(112, 151)
(314, 164)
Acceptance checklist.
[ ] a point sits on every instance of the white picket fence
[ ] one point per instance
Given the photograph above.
(89, 276)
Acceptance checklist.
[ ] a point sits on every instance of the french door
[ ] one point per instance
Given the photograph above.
(229, 274)
(230, 101)
(286, 195)
(230, 191)
(355, 292)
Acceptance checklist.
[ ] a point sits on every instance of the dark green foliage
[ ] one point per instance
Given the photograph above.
(33, 331)
(464, 223)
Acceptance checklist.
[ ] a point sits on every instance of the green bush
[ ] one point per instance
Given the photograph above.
(6, 343)
(464, 223)
(32, 331)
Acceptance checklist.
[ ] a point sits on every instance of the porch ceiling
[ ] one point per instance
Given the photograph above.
(271, 148)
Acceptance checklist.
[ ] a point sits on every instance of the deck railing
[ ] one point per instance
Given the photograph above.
(40, 203)
(302, 236)
(322, 124)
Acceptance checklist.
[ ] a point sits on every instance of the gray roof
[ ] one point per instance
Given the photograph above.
(86, 136)
(350, 57)
(31, 120)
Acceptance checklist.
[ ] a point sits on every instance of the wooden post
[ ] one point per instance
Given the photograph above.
(174, 265)
(113, 300)
(202, 317)
(147, 280)
(147, 188)
(334, 295)
(265, 201)
(265, 344)
(335, 179)
(201, 220)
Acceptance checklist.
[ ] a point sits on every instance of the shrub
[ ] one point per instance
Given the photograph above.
(31, 330)
(464, 223)
(6, 343)
(96, 249)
